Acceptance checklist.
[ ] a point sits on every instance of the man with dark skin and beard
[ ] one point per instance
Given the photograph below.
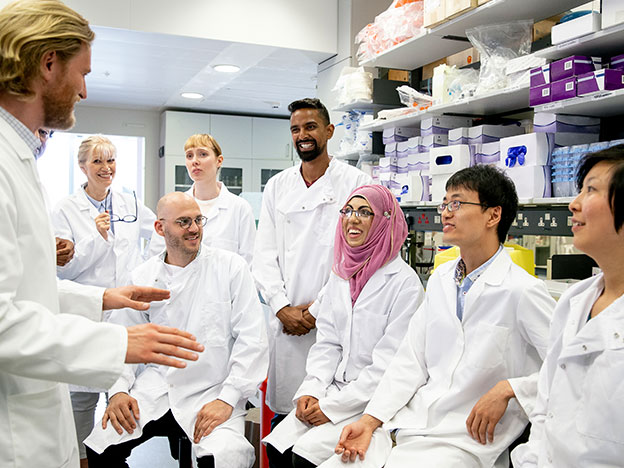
(45, 54)
(294, 248)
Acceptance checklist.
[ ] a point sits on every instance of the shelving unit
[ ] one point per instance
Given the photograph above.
(602, 104)
(361, 106)
(608, 41)
(441, 41)
(493, 103)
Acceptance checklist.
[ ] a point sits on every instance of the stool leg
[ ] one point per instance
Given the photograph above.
(185, 453)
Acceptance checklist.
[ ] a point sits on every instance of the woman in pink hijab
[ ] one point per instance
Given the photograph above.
(362, 314)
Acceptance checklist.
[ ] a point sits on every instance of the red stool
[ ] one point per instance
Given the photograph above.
(265, 424)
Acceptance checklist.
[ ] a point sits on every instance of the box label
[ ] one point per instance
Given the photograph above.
(567, 65)
(545, 92)
(569, 86)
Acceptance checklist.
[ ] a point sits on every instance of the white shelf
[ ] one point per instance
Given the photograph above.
(604, 43)
(361, 106)
(434, 44)
(601, 104)
(494, 103)
(525, 202)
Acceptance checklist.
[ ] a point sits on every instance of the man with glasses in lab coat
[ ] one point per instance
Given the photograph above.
(213, 296)
(294, 247)
(464, 380)
(45, 54)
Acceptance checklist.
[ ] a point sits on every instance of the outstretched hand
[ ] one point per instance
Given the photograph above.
(134, 297)
(151, 343)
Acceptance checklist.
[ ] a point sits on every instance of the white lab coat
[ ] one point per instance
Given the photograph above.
(444, 366)
(96, 261)
(213, 298)
(39, 346)
(230, 225)
(292, 261)
(579, 417)
(354, 346)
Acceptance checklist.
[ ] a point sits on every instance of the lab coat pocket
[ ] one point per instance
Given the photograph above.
(370, 330)
(41, 409)
(486, 348)
(601, 408)
(325, 223)
(215, 323)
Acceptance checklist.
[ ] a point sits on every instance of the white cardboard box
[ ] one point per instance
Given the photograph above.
(402, 149)
(442, 125)
(532, 149)
(438, 186)
(546, 122)
(449, 159)
(577, 27)
(487, 153)
(531, 181)
(390, 150)
(398, 134)
(433, 141)
(482, 134)
(417, 188)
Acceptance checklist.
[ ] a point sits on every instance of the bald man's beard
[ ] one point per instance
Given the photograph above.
(175, 244)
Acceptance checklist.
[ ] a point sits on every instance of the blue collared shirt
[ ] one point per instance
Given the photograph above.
(102, 206)
(23, 131)
(464, 282)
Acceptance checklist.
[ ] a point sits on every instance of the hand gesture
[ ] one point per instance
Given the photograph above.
(134, 297)
(210, 416)
(356, 437)
(102, 224)
(155, 343)
(122, 411)
(488, 411)
(64, 251)
(296, 320)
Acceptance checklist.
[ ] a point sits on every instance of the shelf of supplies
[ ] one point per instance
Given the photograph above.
(362, 106)
(600, 104)
(605, 43)
(498, 102)
(428, 47)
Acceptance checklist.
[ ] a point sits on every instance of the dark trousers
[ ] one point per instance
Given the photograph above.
(276, 459)
(115, 455)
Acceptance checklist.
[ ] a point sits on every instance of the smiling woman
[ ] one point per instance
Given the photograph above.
(581, 379)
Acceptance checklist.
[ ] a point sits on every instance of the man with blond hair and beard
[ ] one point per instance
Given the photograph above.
(213, 296)
(45, 54)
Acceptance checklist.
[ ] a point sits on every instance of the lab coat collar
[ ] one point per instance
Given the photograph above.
(379, 278)
(118, 201)
(18, 145)
(605, 331)
(221, 202)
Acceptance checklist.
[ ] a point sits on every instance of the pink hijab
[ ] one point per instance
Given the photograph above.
(385, 238)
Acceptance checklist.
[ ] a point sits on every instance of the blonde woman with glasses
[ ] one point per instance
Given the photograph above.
(106, 227)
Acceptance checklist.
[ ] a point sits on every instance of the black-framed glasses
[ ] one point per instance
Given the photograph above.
(185, 222)
(456, 205)
(127, 218)
(362, 213)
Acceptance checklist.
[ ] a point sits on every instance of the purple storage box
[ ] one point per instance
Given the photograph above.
(563, 89)
(572, 66)
(540, 76)
(539, 95)
(600, 80)
(617, 62)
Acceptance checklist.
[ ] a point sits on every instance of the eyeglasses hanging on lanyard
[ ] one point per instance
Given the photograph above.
(129, 218)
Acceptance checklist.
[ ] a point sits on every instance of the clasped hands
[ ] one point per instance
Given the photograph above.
(309, 411)
(296, 320)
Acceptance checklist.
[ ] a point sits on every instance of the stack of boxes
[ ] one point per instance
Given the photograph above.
(393, 167)
(574, 76)
(528, 159)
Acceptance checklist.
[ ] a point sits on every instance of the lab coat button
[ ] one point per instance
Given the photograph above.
(563, 366)
(584, 348)
(550, 415)
(616, 335)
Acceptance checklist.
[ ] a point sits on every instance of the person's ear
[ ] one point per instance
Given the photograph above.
(495, 216)
(47, 64)
(158, 227)
(330, 131)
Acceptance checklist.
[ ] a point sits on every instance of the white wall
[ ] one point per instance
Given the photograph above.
(296, 24)
(130, 123)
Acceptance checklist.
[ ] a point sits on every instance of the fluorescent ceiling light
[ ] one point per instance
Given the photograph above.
(225, 68)
(192, 95)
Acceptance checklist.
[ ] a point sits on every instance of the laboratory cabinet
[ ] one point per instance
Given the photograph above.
(254, 149)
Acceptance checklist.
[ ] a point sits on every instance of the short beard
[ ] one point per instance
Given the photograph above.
(307, 156)
(58, 108)
(176, 244)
